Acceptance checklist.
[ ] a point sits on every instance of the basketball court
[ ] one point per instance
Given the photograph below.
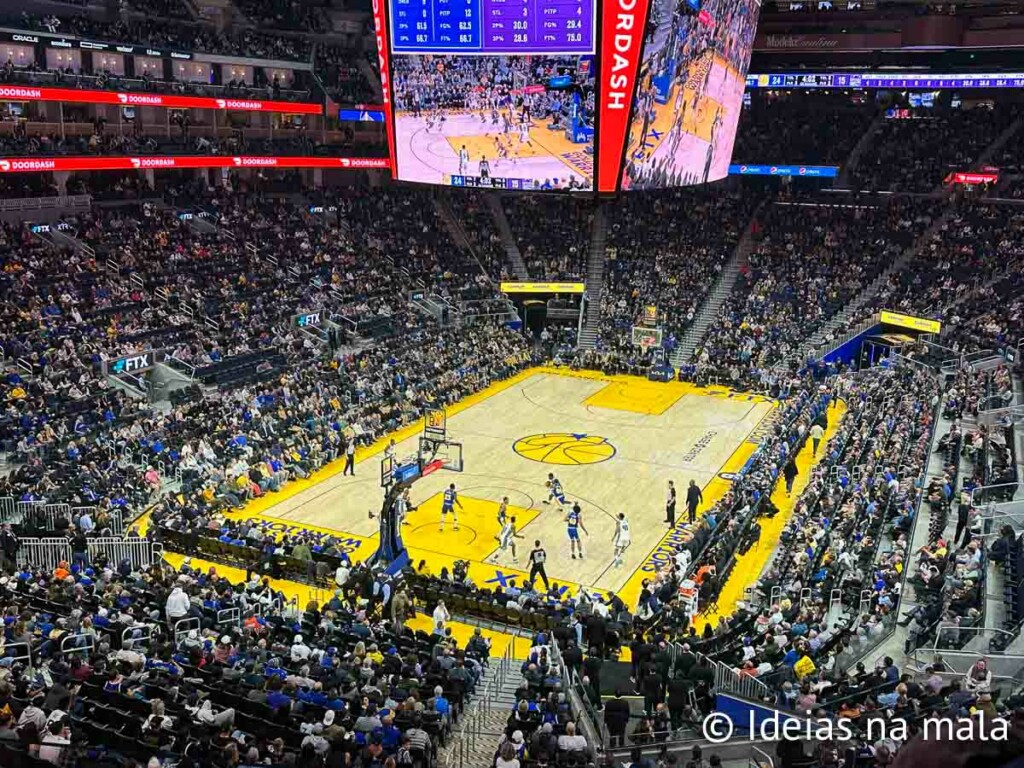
(614, 442)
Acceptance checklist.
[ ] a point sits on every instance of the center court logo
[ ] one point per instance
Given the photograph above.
(564, 448)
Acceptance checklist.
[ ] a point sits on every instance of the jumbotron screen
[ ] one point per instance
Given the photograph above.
(576, 95)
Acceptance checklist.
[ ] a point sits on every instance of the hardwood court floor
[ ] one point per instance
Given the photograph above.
(613, 441)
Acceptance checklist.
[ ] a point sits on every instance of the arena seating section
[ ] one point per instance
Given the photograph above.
(809, 128)
(810, 261)
(690, 236)
(281, 685)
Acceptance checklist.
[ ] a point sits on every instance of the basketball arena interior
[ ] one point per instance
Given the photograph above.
(511, 383)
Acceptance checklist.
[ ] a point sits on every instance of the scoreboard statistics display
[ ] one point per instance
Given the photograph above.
(573, 95)
(492, 26)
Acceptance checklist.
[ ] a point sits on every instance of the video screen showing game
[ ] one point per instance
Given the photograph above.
(689, 92)
(503, 122)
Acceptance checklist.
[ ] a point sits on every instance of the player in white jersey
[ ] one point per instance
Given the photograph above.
(622, 538)
(524, 131)
(507, 538)
(463, 161)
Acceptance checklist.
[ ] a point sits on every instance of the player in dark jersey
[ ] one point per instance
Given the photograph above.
(574, 522)
(448, 504)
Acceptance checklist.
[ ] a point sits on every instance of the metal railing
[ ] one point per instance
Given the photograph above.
(473, 728)
(87, 646)
(183, 626)
(45, 203)
(43, 553)
(140, 634)
(979, 494)
(8, 653)
(181, 365)
(958, 632)
(50, 552)
(729, 680)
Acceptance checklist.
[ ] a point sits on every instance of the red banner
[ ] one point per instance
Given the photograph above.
(31, 93)
(622, 24)
(381, 36)
(962, 177)
(157, 162)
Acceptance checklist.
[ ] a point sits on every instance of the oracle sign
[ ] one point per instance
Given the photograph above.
(21, 93)
(19, 165)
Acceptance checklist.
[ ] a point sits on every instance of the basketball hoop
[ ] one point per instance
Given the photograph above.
(646, 338)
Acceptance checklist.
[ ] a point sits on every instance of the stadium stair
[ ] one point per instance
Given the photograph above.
(858, 150)
(596, 257)
(825, 338)
(708, 313)
(508, 240)
(366, 70)
(442, 206)
(997, 144)
(476, 738)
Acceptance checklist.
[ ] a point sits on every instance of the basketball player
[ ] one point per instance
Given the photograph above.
(451, 498)
(524, 132)
(463, 161)
(485, 169)
(574, 521)
(501, 149)
(507, 538)
(406, 506)
(622, 538)
(554, 490)
(502, 511)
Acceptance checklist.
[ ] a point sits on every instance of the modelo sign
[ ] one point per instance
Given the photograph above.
(133, 364)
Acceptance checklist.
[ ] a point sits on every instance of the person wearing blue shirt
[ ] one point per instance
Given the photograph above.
(441, 705)
(892, 673)
(278, 700)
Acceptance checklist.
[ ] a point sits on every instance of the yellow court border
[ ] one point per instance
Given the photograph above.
(255, 508)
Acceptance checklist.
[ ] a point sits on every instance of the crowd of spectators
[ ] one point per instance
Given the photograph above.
(967, 272)
(165, 33)
(339, 70)
(295, 89)
(801, 127)
(101, 142)
(346, 683)
(669, 249)
(553, 234)
(474, 216)
(810, 261)
(238, 336)
(297, 15)
(916, 153)
(170, 9)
